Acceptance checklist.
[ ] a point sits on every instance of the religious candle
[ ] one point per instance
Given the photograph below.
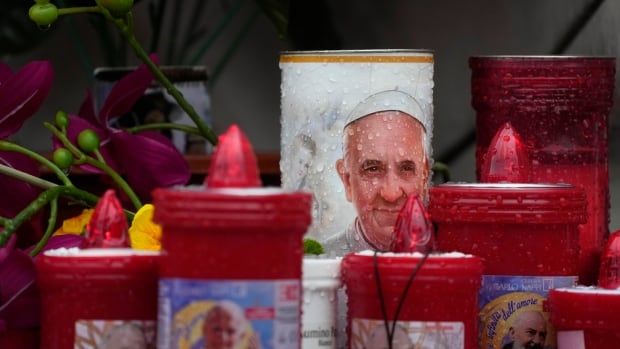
(527, 235)
(585, 317)
(321, 281)
(324, 92)
(231, 272)
(98, 297)
(437, 310)
(560, 106)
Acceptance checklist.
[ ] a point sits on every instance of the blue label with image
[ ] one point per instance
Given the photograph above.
(512, 314)
(228, 314)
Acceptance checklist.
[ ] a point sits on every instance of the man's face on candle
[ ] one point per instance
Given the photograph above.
(529, 330)
(219, 329)
(384, 161)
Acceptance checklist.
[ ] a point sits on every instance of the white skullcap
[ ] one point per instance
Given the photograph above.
(391, 100)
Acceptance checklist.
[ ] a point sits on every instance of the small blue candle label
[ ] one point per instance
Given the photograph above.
(249, 314)
(512, 314)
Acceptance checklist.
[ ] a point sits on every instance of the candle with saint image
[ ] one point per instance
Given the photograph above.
(231, 274)
(102, 296)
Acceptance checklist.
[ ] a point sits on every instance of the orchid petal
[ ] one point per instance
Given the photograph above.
(22, 95)
(152, 162)
(87, 109)
(20, 192)
(19, 298)
(19, 304)
(126, 93)
(5, 73)
(60, 241)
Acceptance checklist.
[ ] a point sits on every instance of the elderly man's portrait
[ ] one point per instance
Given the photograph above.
(225, 327)
(529, 330)
(384, 160)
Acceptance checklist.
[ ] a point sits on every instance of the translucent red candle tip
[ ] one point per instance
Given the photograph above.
(609, 275)
(107, 227)
(506, 159)
(413, 229)
(233, 164)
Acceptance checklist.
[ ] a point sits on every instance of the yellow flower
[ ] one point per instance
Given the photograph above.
(75, 225)
(144, 234)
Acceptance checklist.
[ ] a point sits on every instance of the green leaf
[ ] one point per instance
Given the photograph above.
(277, 12)
(312, 247)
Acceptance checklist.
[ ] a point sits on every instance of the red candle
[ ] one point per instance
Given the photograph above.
(560, 106)
(439, 310)
(527, 235)
(231, 274)
(98, 297)
(586, 318)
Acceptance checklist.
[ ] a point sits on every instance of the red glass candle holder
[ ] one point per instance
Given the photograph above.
(231, 254)
(560, 106)
(527, 235)
(440, 309)
(585, 318)
(100, 298)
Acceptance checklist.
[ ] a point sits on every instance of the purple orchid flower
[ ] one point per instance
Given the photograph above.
(148, 160)
(19, 298)
(21, 95)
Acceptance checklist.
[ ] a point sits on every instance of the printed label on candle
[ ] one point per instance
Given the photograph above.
(317, 335)
(571, 340)
(231, 313)
(512, 315)
(104, 334)
(370, 333)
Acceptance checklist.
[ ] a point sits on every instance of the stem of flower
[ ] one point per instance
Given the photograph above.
(205, 130)
(99, 156)
(4, 221)
(164, 126)
(28, 212)
(78, 10)
(26, 177)
(120, 182)
(51, 224)
(8, 146)
(70, 191)
(83, 158)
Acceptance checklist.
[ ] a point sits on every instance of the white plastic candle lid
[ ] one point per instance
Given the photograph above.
(321, 268)
(98, 252)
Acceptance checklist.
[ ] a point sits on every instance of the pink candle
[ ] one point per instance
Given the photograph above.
(105, 298)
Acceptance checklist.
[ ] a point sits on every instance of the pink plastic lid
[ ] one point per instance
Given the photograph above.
(584, 308)
(232, 207)
(508, 203)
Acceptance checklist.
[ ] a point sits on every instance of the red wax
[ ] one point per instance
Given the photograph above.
(444, 294)
(560, 107)
(256, 233)
(94, 285)
(518, 229)
(593, 316)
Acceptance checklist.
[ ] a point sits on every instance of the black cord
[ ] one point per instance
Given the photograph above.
(403, 296)
(375, 262)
